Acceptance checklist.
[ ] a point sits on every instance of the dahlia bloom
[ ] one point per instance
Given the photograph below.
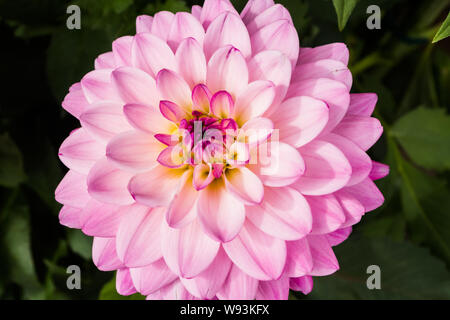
(216, 159)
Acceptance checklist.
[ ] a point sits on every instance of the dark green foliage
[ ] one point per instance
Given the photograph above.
(408, 237)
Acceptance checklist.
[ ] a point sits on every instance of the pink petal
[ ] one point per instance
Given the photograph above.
(122, 51)
(331, 69)
(147, 119)
(227, 70)
(326, 212)
(280, 35)
(134, 151)
(364, 131)
(203, 176)
(379, 170)
(220, 213)
(75, 102)
(182, 209)
(196, 11)
(244, 184)
(254, 101)
(358, 159)
(176, 291)
(334, 51)
(201, 97)
(108, 184)
(104, 120)
(151, 54)
(70, 217)
(72, 190)
(227, 29)
(238, 286)
(212, 9)
(144, 23)
(101, 219)
(339, 236)
(161, 24)
(155, 188)
(334, 93)
(173, 88)
(124, 284)
(300, 120)
(152, 277)
(303, 284)
(222, 104)
(273, 66)
(268, 16)
(284, 214)
(353, 209)
(254, 8)
(188, 251)
(185, 25)
(327, 169)
(191, 62)
(138, 239)
(367, 193)
(299, 261)
(273, 290)
(135, 86)
(256, 253)
(278, 164)
(257, 131)
(80, 151)
(325, 262)
(171, 111)
(104, 254)
(209, 282)
(97, 86)
(105, 61)
(362, 104)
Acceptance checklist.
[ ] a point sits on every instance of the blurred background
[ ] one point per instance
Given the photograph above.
(408, 237)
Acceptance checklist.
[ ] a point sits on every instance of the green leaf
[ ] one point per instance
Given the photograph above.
(425, 135)
(80, 243)
(109, 292)
(407, 272)
(344, 9)
(444, 30)
(11, 166)
(15, 248)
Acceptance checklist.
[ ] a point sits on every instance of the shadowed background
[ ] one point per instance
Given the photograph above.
(408, 237)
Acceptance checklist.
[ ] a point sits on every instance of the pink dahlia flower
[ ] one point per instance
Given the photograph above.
(216, 159)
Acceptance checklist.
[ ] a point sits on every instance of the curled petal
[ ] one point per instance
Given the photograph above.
(122, 51)
(227, 29)
(222, 104)
(256, 253)
(173, 88)
(364, 131)
(324, 260)
(135, 86)
(303, 284)
(124, 284)
(220, 213)
(144, 23)
(108, 184)
(203, 176)
(299, 261)
(188, 251)
(253, 8)
(191, 62)
(182, 209)
(152, 277)
(151, 54)
(244, 184)
(80, 151)
(104, 254)
(279, 35)
(147, 119)
(379, 170)
(70, 217)
(201, 97)
(367, 193)
(238, 286)
(185, 25)
(327, 169)
(155, 188)
(300, 120)
(75, 102)
(362, 104)
(227, 70)
(212, 9)
(284, 214)
(138, 239)
(134, 151)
